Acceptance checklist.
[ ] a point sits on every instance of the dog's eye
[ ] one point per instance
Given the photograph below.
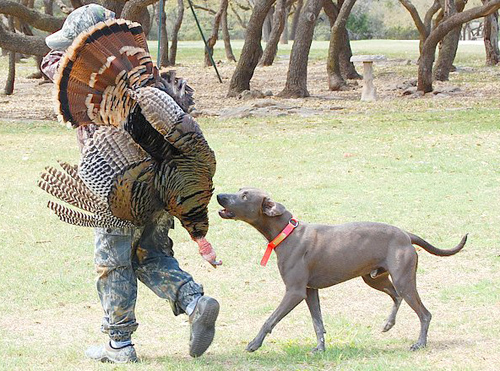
(244, 196)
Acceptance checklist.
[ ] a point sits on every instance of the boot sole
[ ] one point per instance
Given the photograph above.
(205, 329)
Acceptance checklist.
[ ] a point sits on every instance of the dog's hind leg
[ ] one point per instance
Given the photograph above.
(312, 301)
(384, 284)
(404, 279)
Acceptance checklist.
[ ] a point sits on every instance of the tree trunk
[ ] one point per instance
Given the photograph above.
(48, 6)
(11, 77)
(490, 37)
(284, 34)
(347, 69)
(296, 79)
(268, 24)
(449, 44)
(212, 40)
(163, 52)
(137, 10)
(227, 40)
(424, 82)
(447, 53)
(78, 3)
(252, 49)
(335, 79)
(175, 32)
(278, 26)
(113, 5)
(295, 19)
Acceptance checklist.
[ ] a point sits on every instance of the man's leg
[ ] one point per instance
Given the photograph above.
(117, 288)
(156, 267)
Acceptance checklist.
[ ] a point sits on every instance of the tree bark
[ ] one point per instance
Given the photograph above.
(227, 40)
(267, 26)
(212, 40)
(11, 77)
(163, 52)
(36, 19)
(29, 45)
(252, 49)
(175, 32)
(48, 6)
(137, 10)
(284, 34)
(424, 81)
(449, 44)
(78, 3)
(295, 19)
(278, 26)
(296, 79)
(490, 37)
(447, 54)
(347, 69)
(335, 79)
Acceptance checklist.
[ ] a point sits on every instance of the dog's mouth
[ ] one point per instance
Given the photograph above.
(226, 214)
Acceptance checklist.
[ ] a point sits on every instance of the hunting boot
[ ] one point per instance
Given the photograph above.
(105, 353)
(202, 322)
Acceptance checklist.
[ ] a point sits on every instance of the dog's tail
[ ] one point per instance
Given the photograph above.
(434, 250)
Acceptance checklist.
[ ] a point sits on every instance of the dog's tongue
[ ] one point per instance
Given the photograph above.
(207, 251)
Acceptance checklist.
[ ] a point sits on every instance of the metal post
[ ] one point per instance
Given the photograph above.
(204, 40)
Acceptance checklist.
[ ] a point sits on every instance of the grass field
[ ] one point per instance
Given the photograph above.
(422, 166)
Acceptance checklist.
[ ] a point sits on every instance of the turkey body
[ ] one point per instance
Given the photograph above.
(141, 152)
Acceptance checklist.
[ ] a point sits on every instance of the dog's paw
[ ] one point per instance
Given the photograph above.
(253, 345)
(387, 326)
(318, 349)
(418, 345)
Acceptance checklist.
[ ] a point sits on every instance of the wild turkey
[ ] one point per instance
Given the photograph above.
(141, 152)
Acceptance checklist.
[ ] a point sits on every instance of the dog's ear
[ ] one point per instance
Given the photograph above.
(271, 208)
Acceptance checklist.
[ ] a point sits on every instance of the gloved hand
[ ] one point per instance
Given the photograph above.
(208, 252)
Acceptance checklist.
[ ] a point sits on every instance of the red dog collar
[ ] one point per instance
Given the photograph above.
(292, 224)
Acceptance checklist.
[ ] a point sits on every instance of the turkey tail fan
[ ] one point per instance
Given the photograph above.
(81, 219)
(69, 188)
(71, 170)
(98, 68)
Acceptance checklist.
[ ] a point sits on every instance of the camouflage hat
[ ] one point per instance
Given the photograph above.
(78, 21)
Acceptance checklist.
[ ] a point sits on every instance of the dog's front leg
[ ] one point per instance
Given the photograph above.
(291, 299)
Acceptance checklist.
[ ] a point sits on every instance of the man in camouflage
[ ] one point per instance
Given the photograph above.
(126, 254)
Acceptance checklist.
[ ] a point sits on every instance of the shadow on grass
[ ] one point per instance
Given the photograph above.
(283, 357)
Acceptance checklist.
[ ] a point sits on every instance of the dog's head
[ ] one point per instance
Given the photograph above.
(249, 205)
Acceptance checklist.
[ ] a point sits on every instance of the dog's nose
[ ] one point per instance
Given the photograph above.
(222, 197)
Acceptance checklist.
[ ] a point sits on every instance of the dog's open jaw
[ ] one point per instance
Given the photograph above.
(226, 214)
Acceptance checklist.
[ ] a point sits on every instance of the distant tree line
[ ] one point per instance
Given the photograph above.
(23, 24)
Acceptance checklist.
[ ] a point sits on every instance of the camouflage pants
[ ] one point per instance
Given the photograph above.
(124, 255)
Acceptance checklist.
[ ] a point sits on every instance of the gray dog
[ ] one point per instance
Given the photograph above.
(315, 256)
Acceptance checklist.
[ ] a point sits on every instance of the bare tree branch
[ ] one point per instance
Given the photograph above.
(36, 19)
(211, 11)
(29, 45)
(416, 17)
(238, 18)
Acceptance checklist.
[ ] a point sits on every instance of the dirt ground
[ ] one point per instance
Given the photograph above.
(35, 102)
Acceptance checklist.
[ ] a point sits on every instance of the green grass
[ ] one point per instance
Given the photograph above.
(428, 166)
(192, 51)
(432, 173)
